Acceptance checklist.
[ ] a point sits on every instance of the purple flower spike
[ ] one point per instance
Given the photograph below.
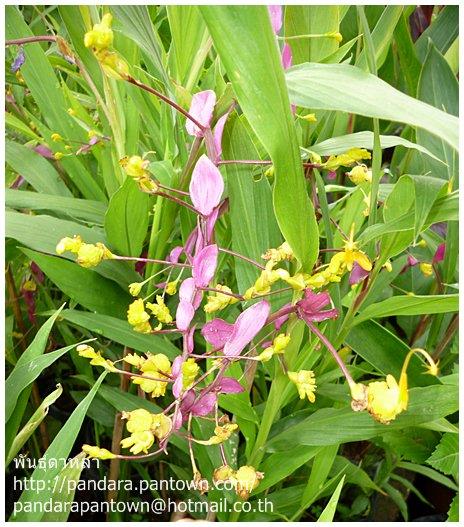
(310, 307)
(412, 261)
(184, 315)
(217, 332)
(230, 385)
(246, 327)
(358, 274)
(217, 134)
(287, 57)
(275, 12)
(439, 253)
(19, 60)
(174, 255)
(44, 151)
(177, 375)
(204, 265)
(201, 109)
(206, 186)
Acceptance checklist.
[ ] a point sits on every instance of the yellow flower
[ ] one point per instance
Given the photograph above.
(224, 473)
(58, 155)
(90, 255)
(279, 345)
(426, 269)
(283, 252)
(134, 360)
(97, 452)
(71, 111)
(358, 396)
(171, 288)
(310, 117)
(156, 366)
(139, 442)
(136, 314)
(161, 425)
(221, 434)
(134, 166)
(305, 383)
(349, 158)
(135, 288)
(360, 174)
(190, 370)
(321, 279)
(422, 243)
(138, 420)
(29, 285)
(96, 359)
(388, 266)
(160, 310)
(217, 301)
(296, 281)
(346, 258)
(113, 65)
(267, 277)
(56, 138)
(101, 35)
(336, 35)
(314, 157)
(247, 478)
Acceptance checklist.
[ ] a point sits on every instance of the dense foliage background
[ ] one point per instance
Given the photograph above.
(389, 86)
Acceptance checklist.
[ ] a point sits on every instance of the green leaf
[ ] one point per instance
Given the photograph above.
(41, 484)
(126, 220)
(439, 87)
(42, 233)
(26, 372)
(28, 429)
(308, 20)
(338, 145)
(120, 331)
(99, 294)
(36, 170)
(410, 305)
(329, 512)
(79, 209)
(65, 486)
(429, 473)
(330, 426)
(453, 512)
(445, 456)
(258, 81)
(348, 89)
(442, 32)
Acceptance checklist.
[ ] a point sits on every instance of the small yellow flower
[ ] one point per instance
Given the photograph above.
(247, 478)
(154, 369)
(136, 314)
(56, 137)
(349, 158)
(264, 282)
(113, 65)
(383, 399)
(144, 427)
(279, 345)
(309, 117)
(134, 360)
(135, 288)
(358, 396)
(346, 258)
(190, 370)
(283, 252)
(336, 35)
(269, 172)
(171, 288)
(58, 155)
(71, 111)
(426, 269)
(224, 473)
(134, 166)
(360, 174)
(139, 442)
(221, 434)
(297, 281)
(161, 425)
(90, 255)
(69, 244)
(160, 310)
(96, 359)
(97, 452)
(305, 383)
(91, 134)
(217, 301)
(29, 285)
(101, 35)
(422, 243)
(388, 266)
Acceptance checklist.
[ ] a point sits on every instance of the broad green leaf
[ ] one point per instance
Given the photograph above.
(74, 208)
(40, 488)
(126, 220)
(303, 20)
(257, 78)
(381, 36)
(42, 233)
(386, 352)
(348, 89)
(410, 305)
(26, 372)
(438, 86)
(99, 294)
(338, 145)
(253, 225)
(442, 32)
(354, 474)
(28, 429)
(120, 331)
(445, 456)
(36, 170)
(64, 488)
(330, 426)
(398, 499)
(453, 512)
(329, 512)
(428, 472)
